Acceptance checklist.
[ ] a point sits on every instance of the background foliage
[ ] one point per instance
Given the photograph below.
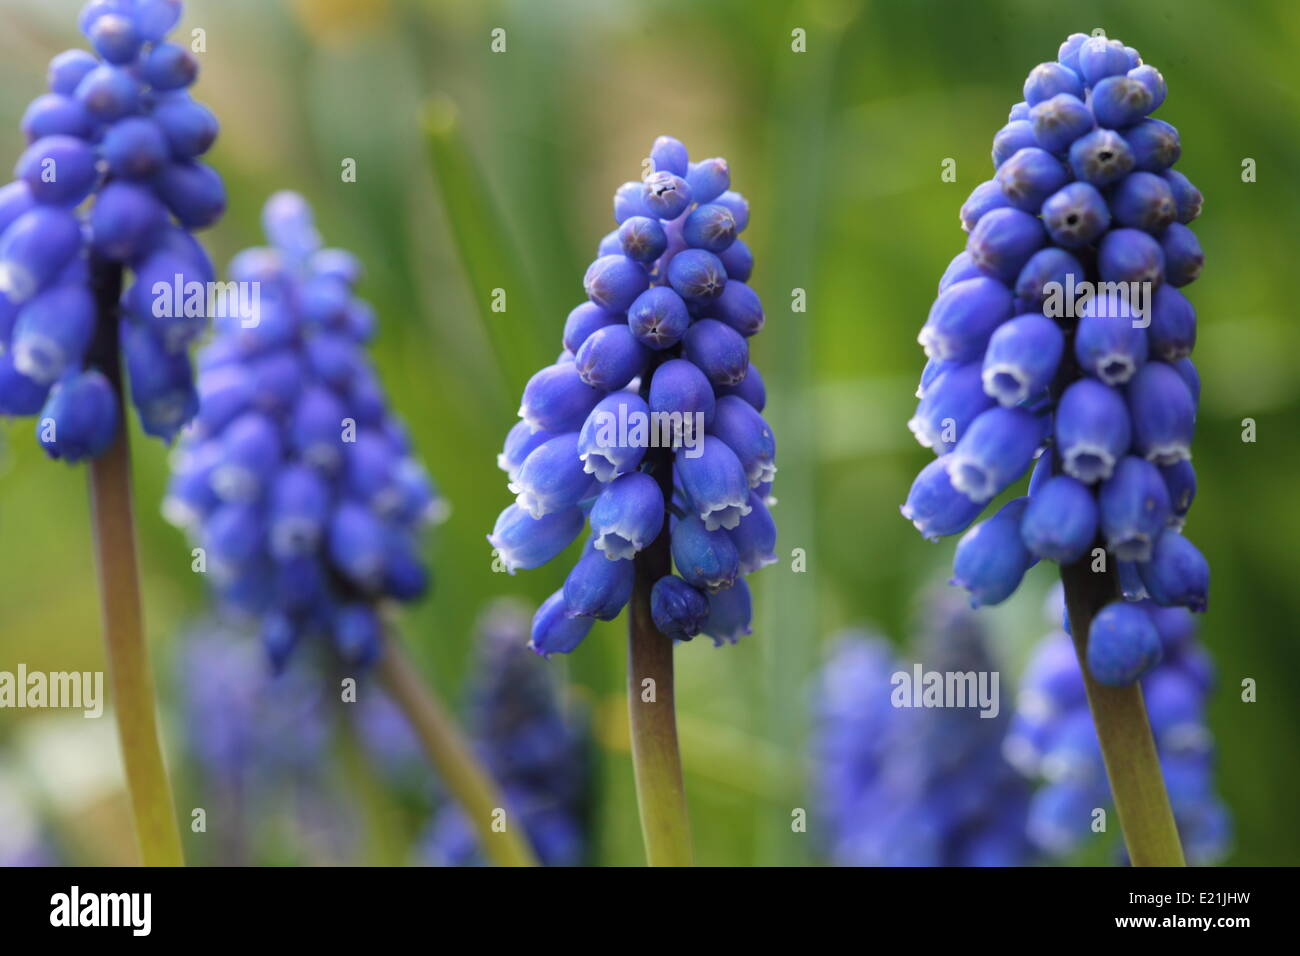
(839, 151)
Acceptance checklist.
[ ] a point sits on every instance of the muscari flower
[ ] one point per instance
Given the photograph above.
(296, 480)
(1052, 738)
(96, 243)
(914, 786)
(531, 743)
(1032, 356)
(657, 358)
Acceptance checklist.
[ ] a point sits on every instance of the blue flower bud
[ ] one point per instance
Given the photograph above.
(1022, 358)
(696, 275)
(1186, 196)
(37, 246)
(950, 403)
(193, 192)
(611, 357)
(1050, 79)
(679, 610)
(731, 611)
(1003, 241)
(552, 477)
(522, 541)
(162, 383)
(1076, 215)
(1144, 201)
(1092, 430)
(739, 207)
(56, 115)
(1110, 341)
(1172, 332)
(738, 261)
(642, 238)
(960, 268)
(155, 18)
(991, 559)
(108, 93)
(1135, 507)
(583, 320)
(628, 202)
(1122, 644)
(745, 432)
(995, 451)
(985, 197)
(1059, 121)
(679, 386)
(1045, 267)
(1154, 144)
(1101, 157)
(1186, 368)
(1030, 176)
(750, 388)
(1061, 520)
(520, 441)
(1068, 52)
(231, 538)
(709, 179)
(298, 509)
(68, 69)
(666, 195)
(123, 220)
(658, 318)
(1177, 574)
(1183, 255)
(615, 436)
(189, 127)
(705, 558)
(169, 67)
(115, 38)
(357, 546)
(1100, 57)
(19, 395)
(934, 506)
(1163, 413)
(1154, 82)
(555, 630)
(627, 516)
(739, 307)
(1018, 111)
(134, 148)
(556, 399)
(52, 333)
(965, 315)
(80, 418)
(251, 453)
(719, 351)
(669, 155)
(1120, 101)
(1180, 479)
(614, 282)
(711, 227)
(1010, 139)
(715, 482)
(598, 586)
(1130, 581)
(15, 199)
(755, 537)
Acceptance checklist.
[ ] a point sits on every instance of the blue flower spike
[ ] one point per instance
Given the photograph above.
(654, 427)
(107, 194)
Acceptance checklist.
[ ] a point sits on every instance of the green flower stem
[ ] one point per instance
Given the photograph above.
(1120, 716)
(656, 760)
(453, 760)
(130, 676)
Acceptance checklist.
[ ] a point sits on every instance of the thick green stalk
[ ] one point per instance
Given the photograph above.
(118, 570)
(656, 759)
(453, 760)
(1120, 716)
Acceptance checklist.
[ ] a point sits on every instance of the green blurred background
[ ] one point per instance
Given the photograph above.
(839, 151)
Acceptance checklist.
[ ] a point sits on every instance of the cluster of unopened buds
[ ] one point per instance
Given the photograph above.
(657, 358)
(1061, 333)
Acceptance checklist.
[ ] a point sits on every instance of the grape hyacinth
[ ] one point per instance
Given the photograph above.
(914, 786)
(1062, 335)
(651, 416)
(1052, 740)
(295, 478)
(110, 186)
(530, 743)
